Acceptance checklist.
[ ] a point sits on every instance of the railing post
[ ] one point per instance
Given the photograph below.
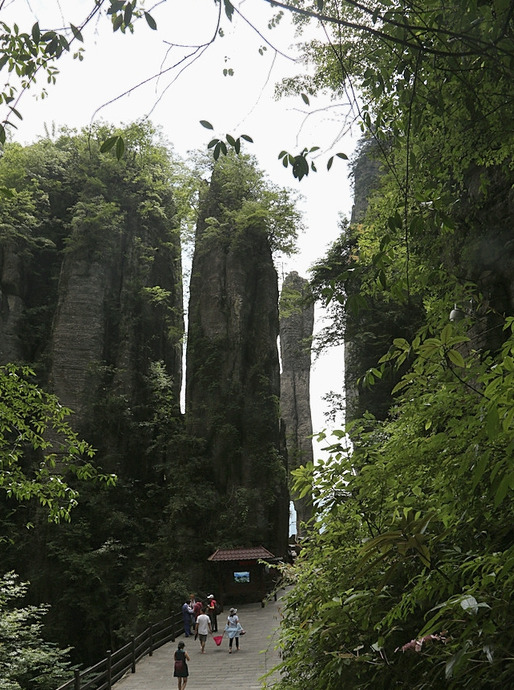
(133, 655)
(77, 679)
(150, 650)
(109, 676)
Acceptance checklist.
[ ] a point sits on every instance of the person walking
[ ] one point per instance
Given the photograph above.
(233, 629)
(181, 670)
(203, 628)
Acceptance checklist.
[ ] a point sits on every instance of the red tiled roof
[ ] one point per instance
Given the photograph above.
(242, 554)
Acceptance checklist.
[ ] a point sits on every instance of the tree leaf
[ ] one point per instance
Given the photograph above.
(229, 9)
(76, 33)
(36, 33)
(456, 358)
(206, 124)
(117, 22)
(151, 21)
(492, 422)
(469, 603)
(502, 490)
(127, 14)
(116, 6)
(120, 148)
(108, 144)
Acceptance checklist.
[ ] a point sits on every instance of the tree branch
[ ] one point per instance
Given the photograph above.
(417, 44)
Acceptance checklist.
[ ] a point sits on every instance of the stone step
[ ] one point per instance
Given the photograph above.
(217, 669)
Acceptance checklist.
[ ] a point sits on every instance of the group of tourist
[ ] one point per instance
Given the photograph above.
(202, 619)
(193, 608)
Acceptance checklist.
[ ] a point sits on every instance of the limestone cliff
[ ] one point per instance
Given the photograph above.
(119, 309)
(91, 287)
(232, 377)
(11, 303)
(296, 328)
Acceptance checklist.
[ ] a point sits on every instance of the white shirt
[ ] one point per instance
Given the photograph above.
(203, 622)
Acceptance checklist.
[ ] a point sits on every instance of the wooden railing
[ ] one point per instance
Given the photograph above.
(105, 673)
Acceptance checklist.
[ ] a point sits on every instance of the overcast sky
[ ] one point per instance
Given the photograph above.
(196, 89)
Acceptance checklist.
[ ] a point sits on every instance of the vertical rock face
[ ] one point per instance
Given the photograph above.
(11, 303)
(91, 293)
(232, 376)
(365, 176)
(296, 327)
(79, 331)
(108, 327)
(119, 313)
(479, 250)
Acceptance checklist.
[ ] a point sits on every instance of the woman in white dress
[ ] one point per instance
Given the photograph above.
(233, 629)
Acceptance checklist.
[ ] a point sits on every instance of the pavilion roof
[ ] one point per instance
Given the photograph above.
(241, 554)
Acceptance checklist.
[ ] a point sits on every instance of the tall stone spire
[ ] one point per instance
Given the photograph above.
(232, 373)
(296, 327)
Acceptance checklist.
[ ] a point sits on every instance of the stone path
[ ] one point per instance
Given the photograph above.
(217, 669)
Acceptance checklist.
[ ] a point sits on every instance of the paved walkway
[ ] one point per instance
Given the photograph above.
(217, 669)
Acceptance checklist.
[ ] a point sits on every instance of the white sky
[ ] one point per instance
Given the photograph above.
(242, 104)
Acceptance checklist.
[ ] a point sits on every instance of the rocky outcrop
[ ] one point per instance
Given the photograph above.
(296, 328)
(232, 376)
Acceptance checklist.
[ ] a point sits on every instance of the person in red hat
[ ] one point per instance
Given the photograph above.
(211, 610)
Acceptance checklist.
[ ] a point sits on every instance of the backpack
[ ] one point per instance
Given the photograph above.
(218, 608)
(179, 663)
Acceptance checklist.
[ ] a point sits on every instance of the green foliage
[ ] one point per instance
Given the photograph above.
(300, 164)
(72, 202)
(222, 146)
(243, 199)
(293, 300)
(405, 578)
(417, 511)
(26, 55)
(38, 448)
(27, 661)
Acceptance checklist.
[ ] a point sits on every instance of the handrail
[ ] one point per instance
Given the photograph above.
(110, 670)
